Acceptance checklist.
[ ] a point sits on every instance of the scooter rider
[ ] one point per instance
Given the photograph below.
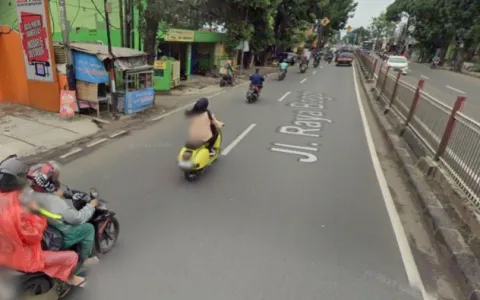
(257, 79)
(203, 125)
(71, 222)
(283, 66)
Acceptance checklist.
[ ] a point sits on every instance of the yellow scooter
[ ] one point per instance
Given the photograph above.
(195, 158)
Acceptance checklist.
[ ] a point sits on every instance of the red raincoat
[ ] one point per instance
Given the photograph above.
(21, 242)
(20, 236)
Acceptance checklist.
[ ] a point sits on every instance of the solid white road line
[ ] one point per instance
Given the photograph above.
(96, 142)
(314, 72)
(402, 241)
(303, 80)
(284, 96)
(424, 77)
(454, 89)
(74, 151)
(118, 133)
(182, 108)
(238, 139)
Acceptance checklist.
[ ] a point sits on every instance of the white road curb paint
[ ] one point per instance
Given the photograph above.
(118, 133)
(424, 77)
(303, 80)
(284, 96)
(96, 142)
(454, 89)
(405, 252)
(182, 108)
(238, 139)
(74, 151)
(216, 94)
(314, 72)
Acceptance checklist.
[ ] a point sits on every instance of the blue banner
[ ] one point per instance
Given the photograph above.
(89, 68)
(138, 100)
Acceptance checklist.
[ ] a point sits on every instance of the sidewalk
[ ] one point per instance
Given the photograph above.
(25, 131)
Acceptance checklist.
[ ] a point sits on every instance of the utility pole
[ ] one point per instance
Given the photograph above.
(243, 43)
(113, 89)
(122, 23)
(65, 26)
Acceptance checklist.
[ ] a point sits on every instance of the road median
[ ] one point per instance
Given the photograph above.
(421, 169)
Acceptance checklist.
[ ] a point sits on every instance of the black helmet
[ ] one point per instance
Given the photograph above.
(13, 174)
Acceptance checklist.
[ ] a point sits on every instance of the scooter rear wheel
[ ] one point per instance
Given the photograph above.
(190, 176)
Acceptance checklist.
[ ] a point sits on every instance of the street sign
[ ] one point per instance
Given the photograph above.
(325, 21)
(349, 28)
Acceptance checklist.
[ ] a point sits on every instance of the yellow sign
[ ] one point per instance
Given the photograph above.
(349, 28)
(325, 21)
(178, 35)
(160, 64)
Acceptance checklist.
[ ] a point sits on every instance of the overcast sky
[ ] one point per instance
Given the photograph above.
(367, 9)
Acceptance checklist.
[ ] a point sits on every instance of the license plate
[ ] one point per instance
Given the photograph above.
(185, 164)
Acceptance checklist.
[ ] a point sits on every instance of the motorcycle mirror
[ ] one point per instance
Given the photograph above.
(94, 193)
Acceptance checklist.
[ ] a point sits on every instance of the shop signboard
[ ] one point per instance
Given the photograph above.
(138, 100)
(89, 68)
(35, 39)
(178, 35)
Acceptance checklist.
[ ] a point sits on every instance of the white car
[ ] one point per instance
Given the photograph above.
(398, 64)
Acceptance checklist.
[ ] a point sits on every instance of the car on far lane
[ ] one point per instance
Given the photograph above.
(398, 64)
(344, 58)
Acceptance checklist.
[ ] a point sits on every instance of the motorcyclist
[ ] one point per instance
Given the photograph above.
(318, 55)
(229, 69)
(22, 229)
(203, 125)
(305, 61)
(257, 79)
(72, 223)
(283, 66)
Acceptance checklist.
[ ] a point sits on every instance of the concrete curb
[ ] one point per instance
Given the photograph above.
(463, 263)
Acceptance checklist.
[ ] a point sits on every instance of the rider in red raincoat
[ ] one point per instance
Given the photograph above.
(21, 230)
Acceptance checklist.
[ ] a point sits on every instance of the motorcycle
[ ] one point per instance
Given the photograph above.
(303, 68)
(435, 62)
(103, 220)
(316, 63)
(281, 75)
(194, 158)
(226, 80)
(31, 285)
(253, 93)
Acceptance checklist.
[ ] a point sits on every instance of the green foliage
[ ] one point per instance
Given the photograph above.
(361, 34)
(381, 27)
(435, 23)
(264, 23)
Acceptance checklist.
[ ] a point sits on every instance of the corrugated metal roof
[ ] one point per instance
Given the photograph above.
(101, 51)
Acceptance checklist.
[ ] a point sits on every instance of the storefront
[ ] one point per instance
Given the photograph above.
(196, 52)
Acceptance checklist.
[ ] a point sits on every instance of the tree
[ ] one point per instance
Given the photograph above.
(381, 27)
(361, 34)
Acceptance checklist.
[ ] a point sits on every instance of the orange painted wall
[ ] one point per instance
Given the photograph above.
(13, 78)
(16, 88)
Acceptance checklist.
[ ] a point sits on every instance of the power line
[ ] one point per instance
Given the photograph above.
(103, 15)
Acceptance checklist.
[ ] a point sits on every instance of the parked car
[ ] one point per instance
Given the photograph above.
(344, 58)
(398, 64)
(290, 57)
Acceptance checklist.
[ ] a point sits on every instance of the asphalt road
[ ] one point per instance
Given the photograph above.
(260, 224)
(445, 86)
